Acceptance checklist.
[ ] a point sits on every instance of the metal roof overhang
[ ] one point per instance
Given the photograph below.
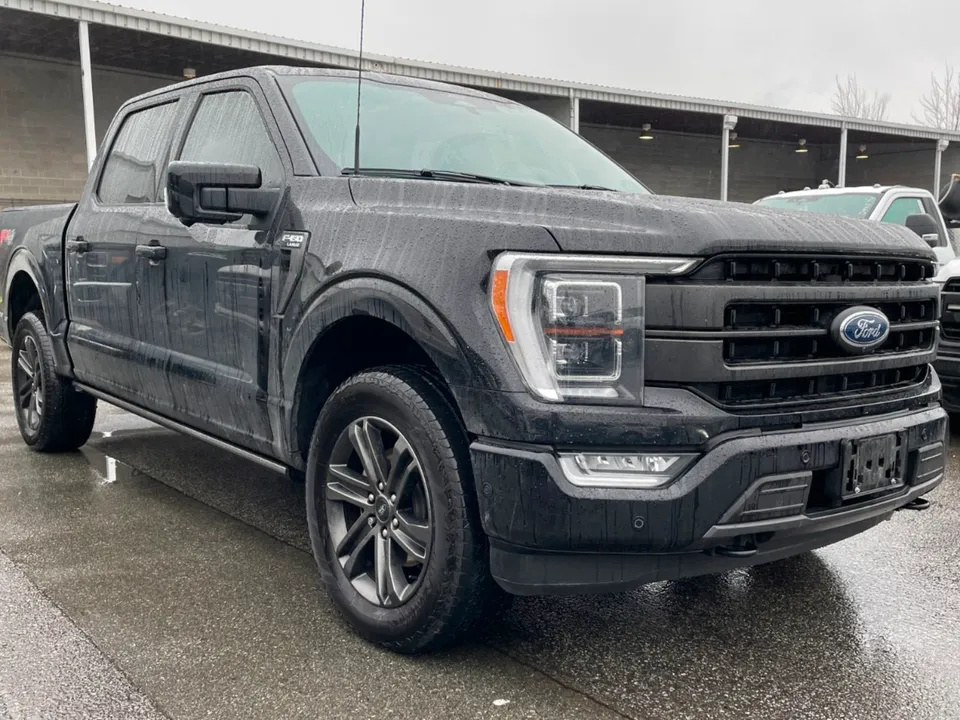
(98, 13)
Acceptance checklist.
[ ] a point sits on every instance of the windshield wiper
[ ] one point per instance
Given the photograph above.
(585, 187)
(430, 174)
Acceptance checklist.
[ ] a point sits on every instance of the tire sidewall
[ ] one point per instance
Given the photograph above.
(352, 401)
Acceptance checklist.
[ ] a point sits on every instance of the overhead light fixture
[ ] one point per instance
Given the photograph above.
(189, 73)
(733, 141)
(646, 132)
(863, 153)
(801, 145)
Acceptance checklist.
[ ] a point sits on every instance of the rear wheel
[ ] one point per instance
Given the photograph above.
(392, 514)
(52, 416)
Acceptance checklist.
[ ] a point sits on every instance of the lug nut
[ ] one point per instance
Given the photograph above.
(383, 532)
(393, 498)
(371, 521)
(380, 487)
(396, 523)
(370, 498)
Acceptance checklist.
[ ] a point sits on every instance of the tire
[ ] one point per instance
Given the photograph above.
(52, 416)
(444, 589)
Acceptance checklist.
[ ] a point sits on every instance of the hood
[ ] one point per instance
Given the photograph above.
(598, 221)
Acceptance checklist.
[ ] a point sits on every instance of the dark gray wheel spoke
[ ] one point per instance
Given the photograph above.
(26, 363)
(392, 587)
(350, 479)
(338, 491)
(368, 443)
(412, 536)
(356, 552)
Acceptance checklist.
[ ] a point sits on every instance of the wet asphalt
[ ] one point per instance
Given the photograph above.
(150, 576)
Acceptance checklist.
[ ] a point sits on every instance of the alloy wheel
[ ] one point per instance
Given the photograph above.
(29, 383)
(378, 511)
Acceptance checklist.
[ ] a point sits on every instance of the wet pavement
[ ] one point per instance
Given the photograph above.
(152, 576)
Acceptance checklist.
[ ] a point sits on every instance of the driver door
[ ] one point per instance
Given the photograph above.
(214, 281)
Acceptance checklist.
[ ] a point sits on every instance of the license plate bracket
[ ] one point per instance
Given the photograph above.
(872, 465)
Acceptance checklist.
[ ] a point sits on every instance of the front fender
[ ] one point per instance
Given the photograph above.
(392, 303)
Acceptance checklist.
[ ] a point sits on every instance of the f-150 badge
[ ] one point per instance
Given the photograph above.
(292, 240)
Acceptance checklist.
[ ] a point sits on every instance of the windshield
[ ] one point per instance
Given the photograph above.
(414, 128)
(858, 205)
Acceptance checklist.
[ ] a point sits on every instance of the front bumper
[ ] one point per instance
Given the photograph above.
(752, 497)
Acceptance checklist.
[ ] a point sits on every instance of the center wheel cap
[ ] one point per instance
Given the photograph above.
(382, 510)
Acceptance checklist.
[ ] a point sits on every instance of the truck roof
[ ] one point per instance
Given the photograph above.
(266, 72)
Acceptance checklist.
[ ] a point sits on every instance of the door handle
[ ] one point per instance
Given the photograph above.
(79, 246)
(153, 253)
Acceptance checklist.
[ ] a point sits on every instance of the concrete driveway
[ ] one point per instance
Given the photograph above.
(150, 576)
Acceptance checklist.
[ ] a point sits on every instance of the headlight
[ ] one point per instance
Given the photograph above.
(575, 323)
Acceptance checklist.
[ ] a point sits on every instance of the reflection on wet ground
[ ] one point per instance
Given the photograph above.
(190, 570)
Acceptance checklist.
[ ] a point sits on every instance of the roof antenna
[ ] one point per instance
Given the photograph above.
(356, 145)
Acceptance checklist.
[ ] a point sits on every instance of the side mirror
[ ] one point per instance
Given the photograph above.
(925, 226)
(216, 193)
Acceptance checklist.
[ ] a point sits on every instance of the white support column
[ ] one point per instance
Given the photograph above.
(942, 144)
(729, 123)
(574, 112)
(86, 78)
(842, 172)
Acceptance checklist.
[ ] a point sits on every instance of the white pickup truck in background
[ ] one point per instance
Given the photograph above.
(892, 204)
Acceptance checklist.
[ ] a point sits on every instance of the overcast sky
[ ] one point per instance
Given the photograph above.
(761, 51)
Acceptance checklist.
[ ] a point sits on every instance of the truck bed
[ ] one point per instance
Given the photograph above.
(31, 247)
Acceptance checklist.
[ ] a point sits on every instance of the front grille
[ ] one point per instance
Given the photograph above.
(753, 332)
(792, 332)
(806, 389)
(810, 268)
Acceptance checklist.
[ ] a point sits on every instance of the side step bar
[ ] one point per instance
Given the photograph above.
(261, 460)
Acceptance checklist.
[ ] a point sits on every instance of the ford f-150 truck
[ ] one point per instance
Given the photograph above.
(500, 364)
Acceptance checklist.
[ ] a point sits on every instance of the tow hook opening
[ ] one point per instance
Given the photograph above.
(742, 546)
(919, 503)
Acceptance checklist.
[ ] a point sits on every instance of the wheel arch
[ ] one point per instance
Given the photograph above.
(357, 324)
(23, 285)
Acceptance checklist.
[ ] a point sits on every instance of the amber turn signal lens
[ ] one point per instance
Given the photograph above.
(500, 303)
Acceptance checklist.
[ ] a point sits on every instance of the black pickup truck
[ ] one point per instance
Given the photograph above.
(501, 365)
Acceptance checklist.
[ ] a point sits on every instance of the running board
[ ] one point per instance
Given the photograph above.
(261, 460)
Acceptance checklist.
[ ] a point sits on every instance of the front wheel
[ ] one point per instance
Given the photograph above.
(52, 416)
(392, 515)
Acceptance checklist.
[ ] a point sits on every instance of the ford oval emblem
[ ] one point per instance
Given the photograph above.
(860, 329)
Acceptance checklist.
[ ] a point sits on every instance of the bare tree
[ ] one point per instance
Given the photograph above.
(940, 105)
(851, 100)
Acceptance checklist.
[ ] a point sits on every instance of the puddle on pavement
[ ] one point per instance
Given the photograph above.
(110, 469)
